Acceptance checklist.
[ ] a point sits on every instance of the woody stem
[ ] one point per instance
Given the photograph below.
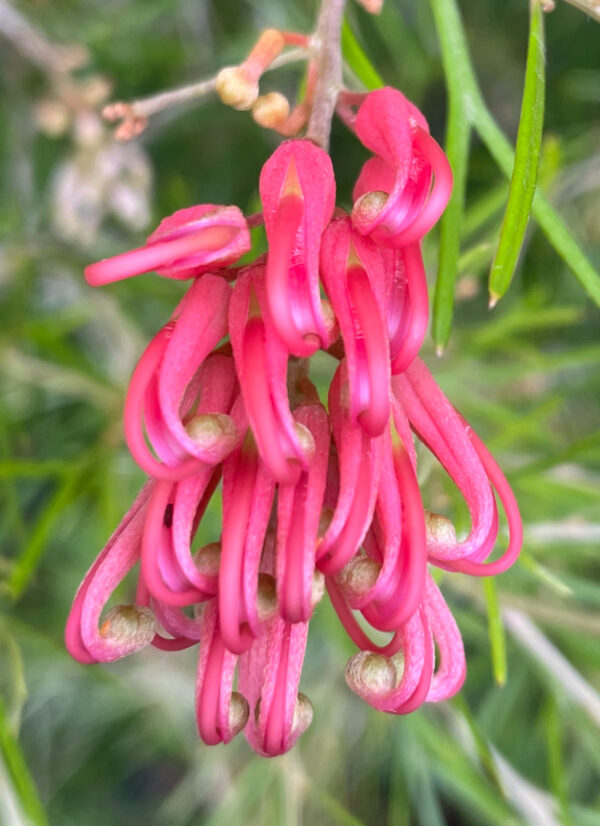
(327, 43)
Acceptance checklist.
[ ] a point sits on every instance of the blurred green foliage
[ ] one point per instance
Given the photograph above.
(94, 745)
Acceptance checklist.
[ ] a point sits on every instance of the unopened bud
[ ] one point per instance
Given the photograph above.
(368, 206)
(129, 624)
(367, 671)
(234, 88)
(208, 559)
(266, 597)
(318, 588)
(239, 712)
(306, 439)
(358, 576)
(208, 429)
(440, 530)
(52, 117)
(303, 714)
(372, 6)
(270, 110)
(329, 318)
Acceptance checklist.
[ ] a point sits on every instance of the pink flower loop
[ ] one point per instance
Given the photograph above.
(188, 243)
(127, 628)
(248, 492)
(261, 361)
(298, 515)
(297, 189)
(354, 277)
(173, 392)
(408, 313)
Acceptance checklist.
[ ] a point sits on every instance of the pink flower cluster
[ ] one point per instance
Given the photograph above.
(314, 497)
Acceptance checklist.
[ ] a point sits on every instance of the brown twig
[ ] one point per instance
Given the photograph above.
(327, 43)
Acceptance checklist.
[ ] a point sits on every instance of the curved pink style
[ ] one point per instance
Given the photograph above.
(298, 515)
(261, 361)
(176, 380)
(188, 243)
(297, 188)
(408, 158)
(269, 676)
(358, 457)
(248, 491)
(84, 640)
(353, 274)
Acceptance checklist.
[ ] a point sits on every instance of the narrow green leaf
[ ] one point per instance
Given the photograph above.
(556, 768)
(527, 158)
(457, 149)
(549, 220)
(27, 563)
(495, 631)
(16, 767)
(357, 60)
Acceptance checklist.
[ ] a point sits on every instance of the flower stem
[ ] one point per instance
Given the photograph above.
(327, 42)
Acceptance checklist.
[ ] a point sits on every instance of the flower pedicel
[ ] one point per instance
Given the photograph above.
(314, 498)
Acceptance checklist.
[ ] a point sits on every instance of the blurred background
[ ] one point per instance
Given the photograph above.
(117, 745)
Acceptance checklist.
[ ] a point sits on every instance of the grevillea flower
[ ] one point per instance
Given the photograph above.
(188, 243)
(314, 497)
(403, 190)
(297, 189)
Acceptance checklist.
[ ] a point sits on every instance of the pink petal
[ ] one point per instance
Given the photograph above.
(186, 244)
(297, 188)
(298, 515)
(83, 638)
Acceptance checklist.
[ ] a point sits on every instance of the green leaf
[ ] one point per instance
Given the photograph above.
(495, 631)
(357, 60)
(527, 159)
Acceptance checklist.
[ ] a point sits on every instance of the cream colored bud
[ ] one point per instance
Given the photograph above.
(318, 588)
(239, 712)
(358, 576)
(129, 624)
(207, 429)
(266, 597)
(306, 439)
(270, 110)
(303, 714)
(234, 88)
(367, 671)
(329, 318)
(369, 205)
(52, 117)
(208, 559)
(440, 530)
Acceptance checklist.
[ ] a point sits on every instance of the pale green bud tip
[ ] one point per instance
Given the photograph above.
(440, 530)
(358, 576)
(303, 714)
(266, 597)
(369, 672)
(239, 712)
(208, 429)
(129, 624)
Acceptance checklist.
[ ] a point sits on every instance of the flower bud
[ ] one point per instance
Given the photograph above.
(239, 712)
(358, 576)
(371, 672)
(129, 624)
(306, 440)
(266, 598)
(318, 588)
(208, 559)
(270, 110)
(303, 714)
(367, 207)
(208, 429)
(234, 88)
(440, 530)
